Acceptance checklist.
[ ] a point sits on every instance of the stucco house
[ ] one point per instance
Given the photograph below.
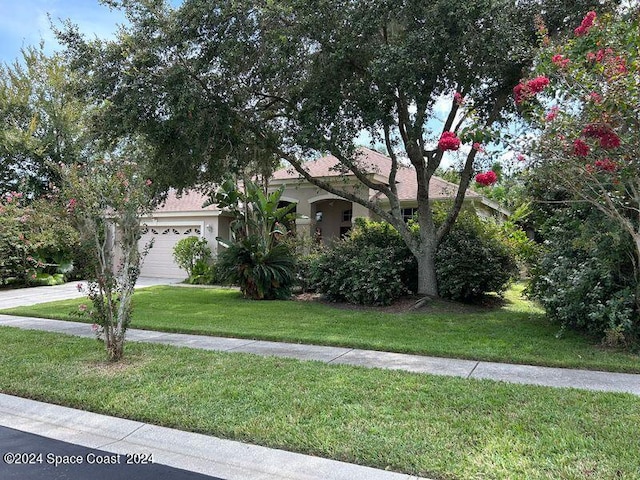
(321, 215)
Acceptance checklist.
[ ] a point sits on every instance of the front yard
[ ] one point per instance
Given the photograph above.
(515, 332)
(437, 427)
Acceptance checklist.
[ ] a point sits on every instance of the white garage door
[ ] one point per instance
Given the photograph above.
(159, 261)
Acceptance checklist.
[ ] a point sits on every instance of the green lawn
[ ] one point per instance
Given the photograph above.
(516, 332)
(438, 427)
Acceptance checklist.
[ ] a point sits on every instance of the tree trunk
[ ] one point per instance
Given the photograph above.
(427, 281)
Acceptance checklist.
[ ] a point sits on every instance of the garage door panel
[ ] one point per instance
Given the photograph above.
(159, 261)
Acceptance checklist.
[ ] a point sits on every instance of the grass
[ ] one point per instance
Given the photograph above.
(438, 427)
(515, 332)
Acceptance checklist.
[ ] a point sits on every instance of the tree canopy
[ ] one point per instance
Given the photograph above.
(213, 84)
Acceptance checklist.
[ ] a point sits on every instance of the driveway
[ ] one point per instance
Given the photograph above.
(19, 297)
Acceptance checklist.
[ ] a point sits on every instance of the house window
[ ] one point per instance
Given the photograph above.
(409, 213)
(347, 215)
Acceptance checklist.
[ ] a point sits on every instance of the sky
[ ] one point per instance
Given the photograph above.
(26, 22)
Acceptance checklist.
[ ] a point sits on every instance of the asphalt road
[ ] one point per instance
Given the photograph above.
(26, 456)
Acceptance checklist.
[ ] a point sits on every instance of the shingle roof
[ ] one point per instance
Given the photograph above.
(189, 201)
(374, 162)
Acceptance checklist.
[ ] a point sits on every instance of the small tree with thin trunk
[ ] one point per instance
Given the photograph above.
(107, 199)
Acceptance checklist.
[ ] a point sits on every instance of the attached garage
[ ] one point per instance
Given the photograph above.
(159, 261)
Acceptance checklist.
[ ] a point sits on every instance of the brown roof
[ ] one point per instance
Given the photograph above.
(374, 162)
(189, 201)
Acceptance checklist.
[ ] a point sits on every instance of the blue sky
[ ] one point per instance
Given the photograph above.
(25, 22)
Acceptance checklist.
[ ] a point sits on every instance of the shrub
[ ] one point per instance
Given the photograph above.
(262, 273)
(193, 255)
(473, 260)
(372, 266)
(37, 242)
(585, 279)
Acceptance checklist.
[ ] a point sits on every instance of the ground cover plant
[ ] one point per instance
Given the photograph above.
(515, 332)
(437, 427)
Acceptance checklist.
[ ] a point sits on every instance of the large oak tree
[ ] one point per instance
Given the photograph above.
(212, 84)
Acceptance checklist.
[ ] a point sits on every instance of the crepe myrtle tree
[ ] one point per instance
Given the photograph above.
(106, 199)
(584, 96)
(204, 80)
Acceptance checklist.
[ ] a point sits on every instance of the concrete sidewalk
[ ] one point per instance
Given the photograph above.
(524, 374)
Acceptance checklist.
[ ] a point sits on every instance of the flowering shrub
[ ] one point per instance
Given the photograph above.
(37, 243)
(107, 199)
(590, 151)
(586, 24)
(487, 179)
(525, 91)
(448, 141)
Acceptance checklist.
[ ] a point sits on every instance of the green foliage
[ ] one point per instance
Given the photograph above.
(108, 197)
(41, 120)
(258, 260)
(193, 255)
(37, 241)
(373, 266)
(262, 274)
(586, 277)
(473, 260)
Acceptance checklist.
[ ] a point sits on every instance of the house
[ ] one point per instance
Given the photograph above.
(321, 215)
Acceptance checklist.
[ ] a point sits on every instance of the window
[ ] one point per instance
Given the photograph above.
(347, 215)
(409, 213)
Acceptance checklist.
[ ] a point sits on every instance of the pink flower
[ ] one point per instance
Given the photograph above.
(520, 157)
(82, 308)
(580, 148)
(553, 113)
(477, 146)
(560, 60)
(148, 182)
(538, 84)
(586, 24)
(448, 141)
(595, 97)
(71, 205)
(486, 179)
(458, 98)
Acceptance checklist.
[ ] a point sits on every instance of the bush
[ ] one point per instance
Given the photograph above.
(193, 255)
(373, 266)
(37, 242)
(585, 279)
(473, 260)
(262, 273)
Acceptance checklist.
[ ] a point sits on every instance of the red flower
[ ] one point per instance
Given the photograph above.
(560, 60)
(580, 148)
(448, 141)
(608, 138)
(553, 113)
(477, 146)
(486, 179)
(71, 206)
(527, 90)
(606, 165)
(586, 24)
(459, 99)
